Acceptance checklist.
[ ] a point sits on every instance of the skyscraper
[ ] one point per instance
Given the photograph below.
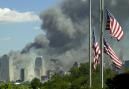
(39, 67)
(22, 74)
(4, 68)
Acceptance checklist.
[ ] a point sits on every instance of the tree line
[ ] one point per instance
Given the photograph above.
(77, 78)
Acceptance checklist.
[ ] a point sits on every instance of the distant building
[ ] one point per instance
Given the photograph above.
(4, 68)
(39, 67)
(50, 73)
(76, 64)
(29, 72)
(126, 63)
(22, 74)
(44, 79)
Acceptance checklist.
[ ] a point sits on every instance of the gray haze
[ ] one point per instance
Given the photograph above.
(66, 28)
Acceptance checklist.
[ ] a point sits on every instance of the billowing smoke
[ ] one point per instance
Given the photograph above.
(66, 32)
(40, 42)
(66, 26)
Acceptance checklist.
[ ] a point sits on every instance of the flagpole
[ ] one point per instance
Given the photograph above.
(90, 47)
(101, 38)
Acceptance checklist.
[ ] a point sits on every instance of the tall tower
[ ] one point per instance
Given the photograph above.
(43, 67)
(39, 67)
(4, 68)
(22, 74)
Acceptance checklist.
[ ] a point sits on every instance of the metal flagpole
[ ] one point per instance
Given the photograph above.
(101, 37)
(90, 47)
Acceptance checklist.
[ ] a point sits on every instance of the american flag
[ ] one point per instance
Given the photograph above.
(109, 51)
(114, 27)
(96, 52)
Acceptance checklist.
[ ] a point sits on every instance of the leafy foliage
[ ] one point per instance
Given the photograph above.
(35, 83)
(77, 78)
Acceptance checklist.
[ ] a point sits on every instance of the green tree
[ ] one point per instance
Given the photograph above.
(78, 78)
(35, 83)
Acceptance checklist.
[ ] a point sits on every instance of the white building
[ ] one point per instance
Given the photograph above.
(39, 67)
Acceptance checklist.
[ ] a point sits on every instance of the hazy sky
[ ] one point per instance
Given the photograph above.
(20, 23)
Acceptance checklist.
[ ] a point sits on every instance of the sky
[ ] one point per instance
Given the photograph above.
(20, 22)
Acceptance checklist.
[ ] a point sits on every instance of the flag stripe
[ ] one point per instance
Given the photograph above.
(121, 35)
(114, 27)
(118, 32)
(114, 57)
(96, 52)
(109, 51)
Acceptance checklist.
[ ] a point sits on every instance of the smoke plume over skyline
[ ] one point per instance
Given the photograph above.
(66, 32)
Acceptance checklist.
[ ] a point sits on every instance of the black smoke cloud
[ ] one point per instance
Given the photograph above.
(66, 27)
(60, 29)
(40, 42)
